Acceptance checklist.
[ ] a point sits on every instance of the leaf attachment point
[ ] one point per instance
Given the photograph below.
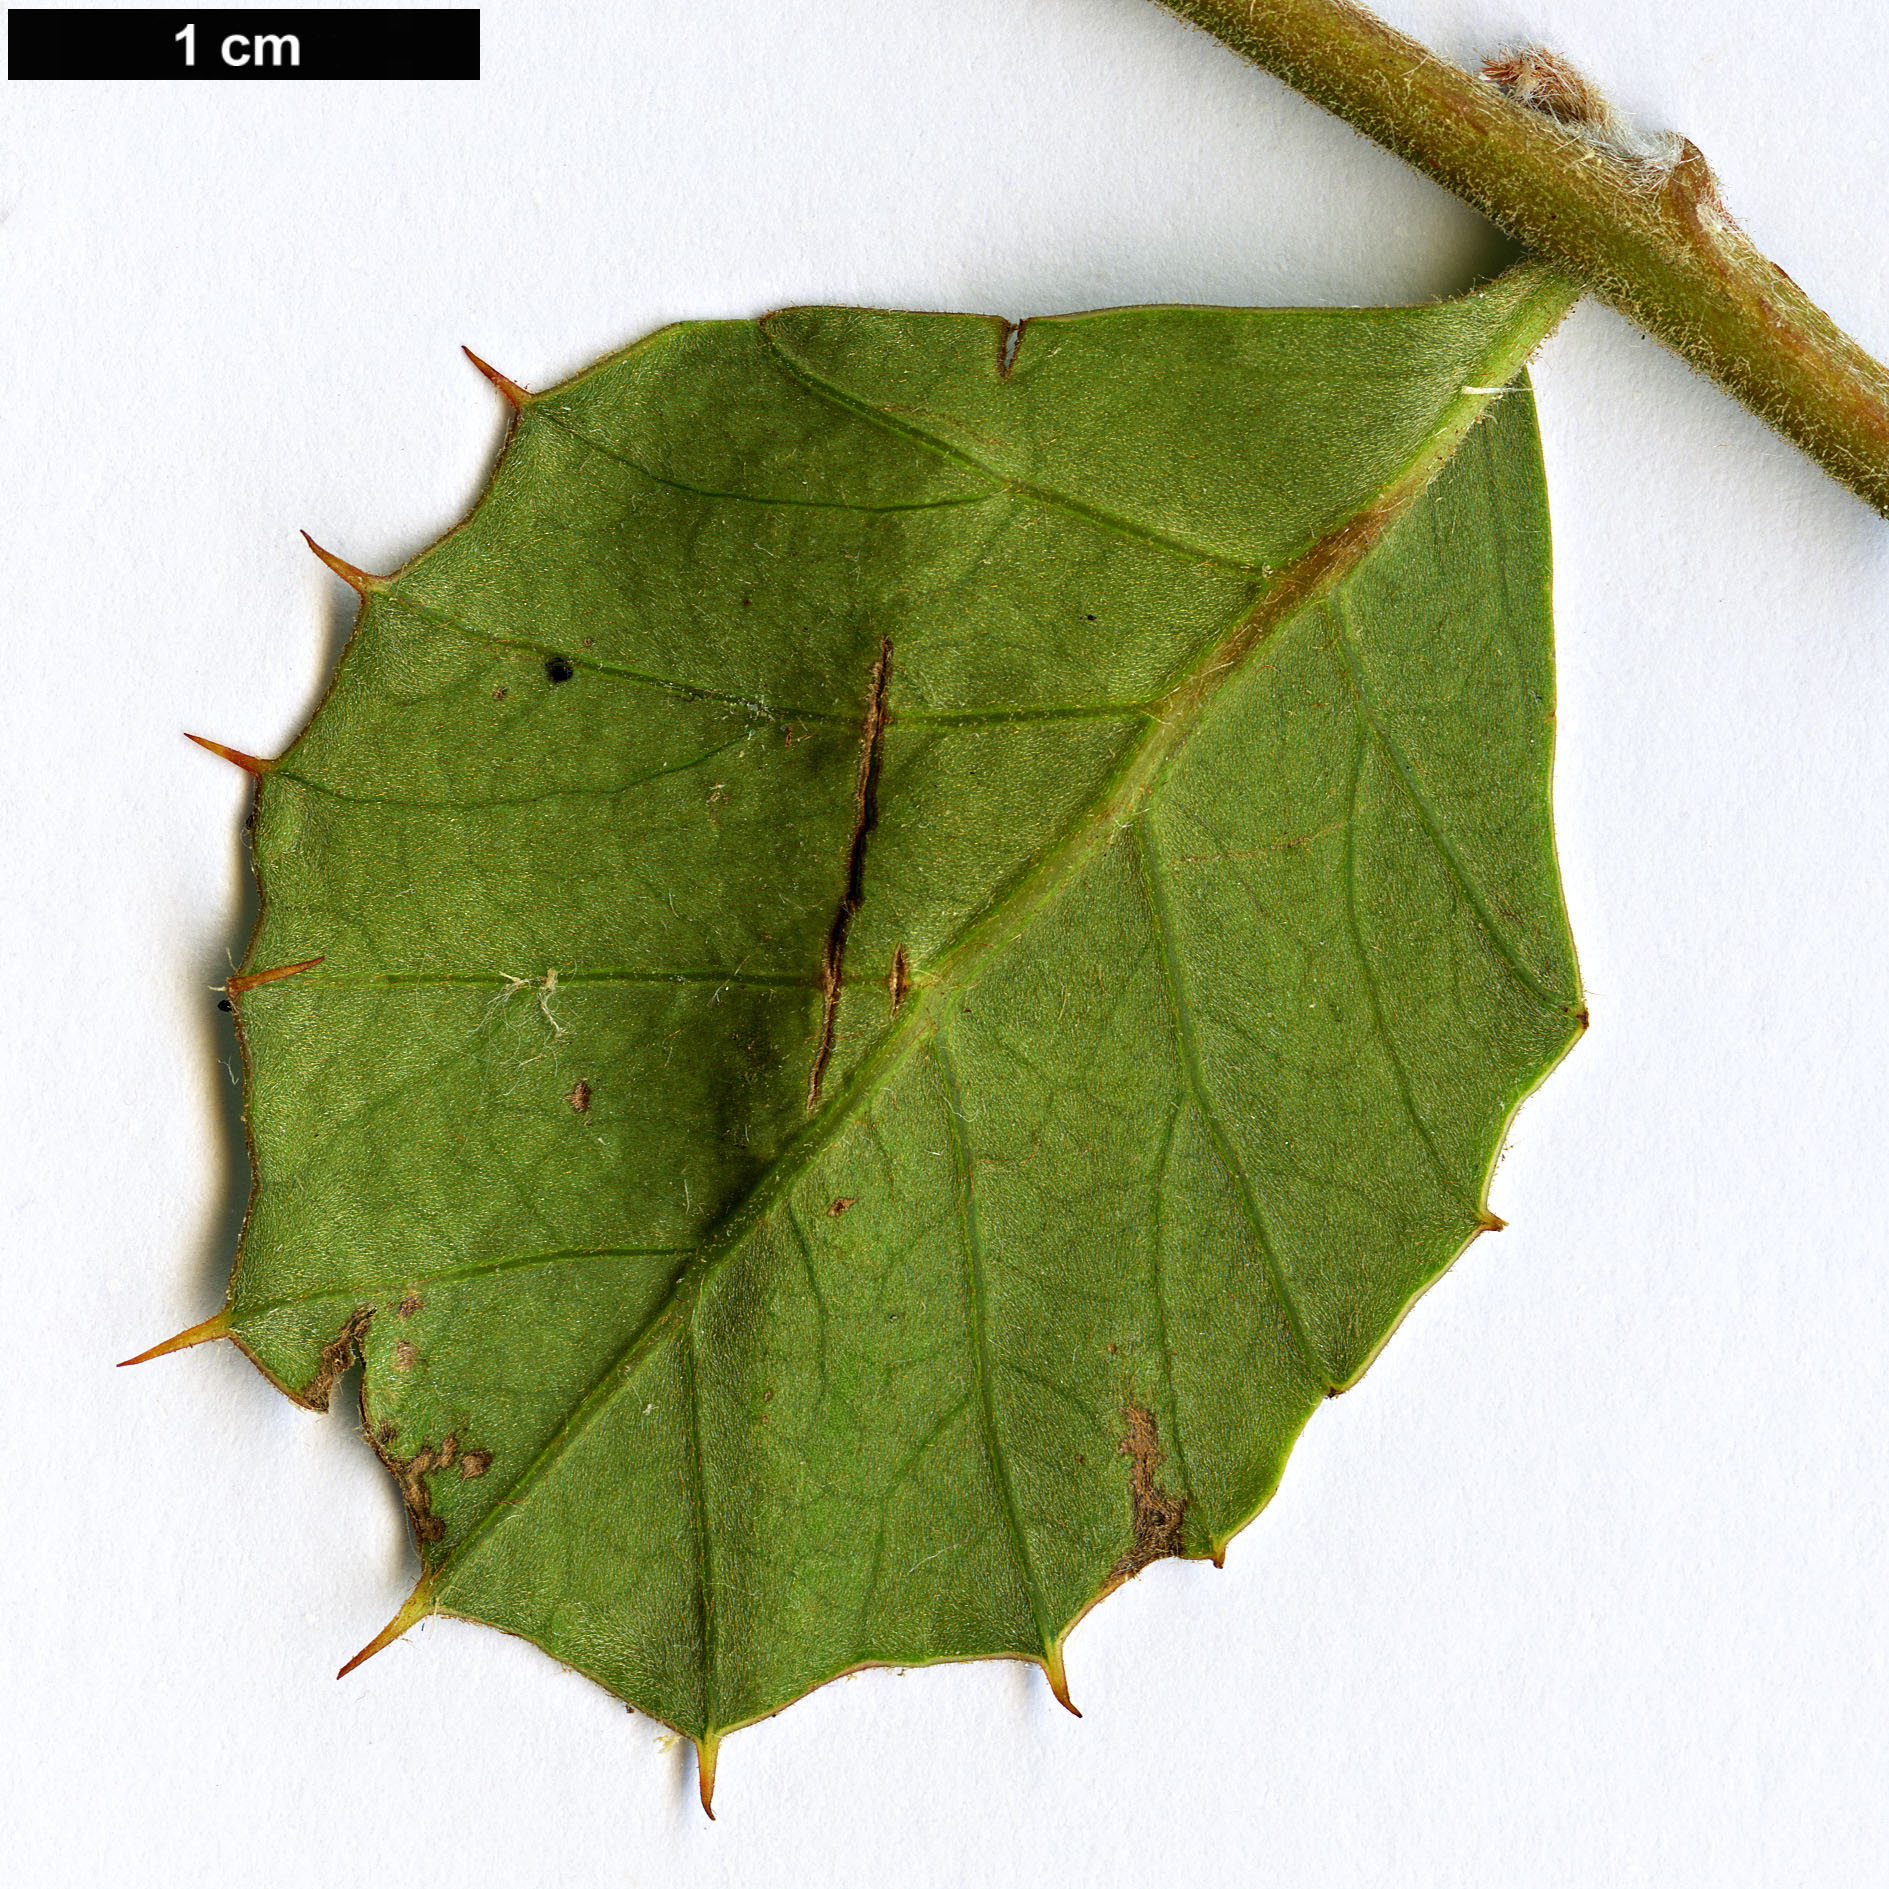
(1634, 218)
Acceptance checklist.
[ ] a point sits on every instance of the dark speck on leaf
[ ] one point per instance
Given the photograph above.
(223, 1003)
(559, 670)
(1088, 619)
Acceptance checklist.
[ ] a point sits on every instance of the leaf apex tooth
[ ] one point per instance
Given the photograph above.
(363, 583)
(516, 396)
(707, 1750)
(217, 1327)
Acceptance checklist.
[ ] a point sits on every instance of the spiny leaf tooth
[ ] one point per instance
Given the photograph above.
(516, 396)
(364, 583)
(414, 1609)
(249, 763)
(707, 1750)
(217, 1327)
(1058, 1679)
(235, 986)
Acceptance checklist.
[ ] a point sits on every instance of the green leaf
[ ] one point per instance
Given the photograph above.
(925, 935)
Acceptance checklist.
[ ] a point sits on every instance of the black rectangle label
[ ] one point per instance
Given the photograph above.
(242, 43)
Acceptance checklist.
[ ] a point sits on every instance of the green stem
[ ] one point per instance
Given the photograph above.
(1649, 236)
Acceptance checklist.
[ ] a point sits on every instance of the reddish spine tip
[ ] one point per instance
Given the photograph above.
(707, 1750)
(1059, 1680)
(361, 582)
(216, 1327)
(1220, 1557)
(249, 763)
(235, 986)
(519, 397)
(416, 1607)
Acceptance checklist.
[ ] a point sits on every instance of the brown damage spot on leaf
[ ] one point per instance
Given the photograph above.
(900, 980)
(579, 1097)
(409, 1305)
(839, 1206)
(411, 1472)
(1157, 1515)
(405, 1357)
(865, 818)
(339, 1354)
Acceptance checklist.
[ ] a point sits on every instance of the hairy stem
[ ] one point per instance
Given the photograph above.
(1639, 224)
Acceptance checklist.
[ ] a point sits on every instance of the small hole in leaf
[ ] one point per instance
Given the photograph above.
(559, 670)
(223, 1003)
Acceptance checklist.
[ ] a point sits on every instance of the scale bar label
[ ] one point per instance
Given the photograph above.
(269, 43)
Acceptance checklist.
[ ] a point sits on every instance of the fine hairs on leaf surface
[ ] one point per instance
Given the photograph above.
(911, 942)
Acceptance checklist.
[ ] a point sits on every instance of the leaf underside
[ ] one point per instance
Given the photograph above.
(926, 935)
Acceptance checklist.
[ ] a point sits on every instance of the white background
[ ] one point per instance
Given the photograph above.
(1585, 1583)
